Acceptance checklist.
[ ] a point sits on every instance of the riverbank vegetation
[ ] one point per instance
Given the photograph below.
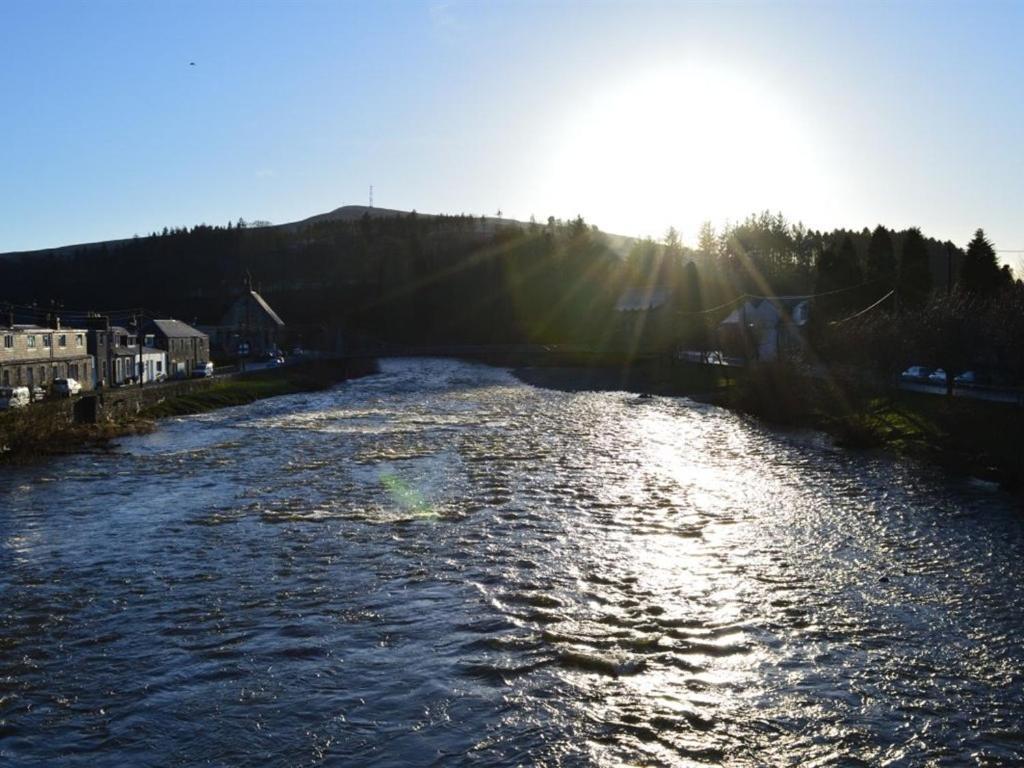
(48, 429)
(965, 435)
(247, 388)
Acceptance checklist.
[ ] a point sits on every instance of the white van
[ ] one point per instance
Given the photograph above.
(202, 370)
(13, 397)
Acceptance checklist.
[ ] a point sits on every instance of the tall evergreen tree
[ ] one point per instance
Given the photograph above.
(915, 276)
(980, 271)
(707, 242)
(838, 273)
(880, 264)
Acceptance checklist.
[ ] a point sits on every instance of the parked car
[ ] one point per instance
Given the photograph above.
(13, 397)
(66, 387)
(202, 370)
(938, 376)
(917, 373)
(971, 379)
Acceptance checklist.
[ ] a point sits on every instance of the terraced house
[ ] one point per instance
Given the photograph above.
(35, 355)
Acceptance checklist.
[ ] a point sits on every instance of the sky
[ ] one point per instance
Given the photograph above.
(637, 116)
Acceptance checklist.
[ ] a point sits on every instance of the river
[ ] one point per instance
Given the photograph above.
(440, 565)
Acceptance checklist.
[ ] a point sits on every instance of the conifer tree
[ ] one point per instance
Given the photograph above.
(980, 271)
(880, 264)
(915, 277)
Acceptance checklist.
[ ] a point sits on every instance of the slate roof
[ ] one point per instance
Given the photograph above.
(174, 329)
(266, 308)
(767, 312)
(641, 299)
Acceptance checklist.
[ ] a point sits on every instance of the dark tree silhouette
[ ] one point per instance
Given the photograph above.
(980, 273)
(915, 278)
(880, 263)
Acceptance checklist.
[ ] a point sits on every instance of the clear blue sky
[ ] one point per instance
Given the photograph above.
(638, 116)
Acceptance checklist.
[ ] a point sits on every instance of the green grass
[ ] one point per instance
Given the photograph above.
(45, 429)
(962, 434)
(224, 393)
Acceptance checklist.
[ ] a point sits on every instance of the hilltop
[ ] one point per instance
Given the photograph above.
(344, 214)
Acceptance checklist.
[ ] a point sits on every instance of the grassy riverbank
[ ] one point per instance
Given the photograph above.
(966, 436)
(47, 429)
(224, 393)
(649, 376)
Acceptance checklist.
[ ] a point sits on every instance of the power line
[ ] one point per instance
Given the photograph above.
(789, 297)
(865, 310)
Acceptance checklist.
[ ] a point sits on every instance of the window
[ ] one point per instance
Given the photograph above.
(47, 339)
(159, 366)
(62, 340)
(7, 378)
(31, 342)
(79, 339)
(150, 340)
(8, 341)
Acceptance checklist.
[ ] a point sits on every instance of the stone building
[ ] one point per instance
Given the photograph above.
(767, 329)
(249, 328)
(117, 354)
(35, 355)
(185, 346)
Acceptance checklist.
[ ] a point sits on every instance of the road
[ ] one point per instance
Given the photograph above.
(993, 394)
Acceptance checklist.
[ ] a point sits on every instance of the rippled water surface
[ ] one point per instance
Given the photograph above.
(440, 565)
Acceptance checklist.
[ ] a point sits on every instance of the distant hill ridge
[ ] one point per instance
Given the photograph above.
(344, 213)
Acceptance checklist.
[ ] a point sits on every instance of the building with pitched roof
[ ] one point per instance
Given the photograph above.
(185, 346)
(249, 327)
(766, 329)
(34, 355)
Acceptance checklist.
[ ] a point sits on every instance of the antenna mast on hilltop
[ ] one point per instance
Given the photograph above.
(371, 195)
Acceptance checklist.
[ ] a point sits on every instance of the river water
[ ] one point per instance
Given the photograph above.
(440, 565)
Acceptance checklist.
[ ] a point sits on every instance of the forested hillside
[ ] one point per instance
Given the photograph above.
(467, 279)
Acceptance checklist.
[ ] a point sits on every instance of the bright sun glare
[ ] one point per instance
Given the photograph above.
(676, 146)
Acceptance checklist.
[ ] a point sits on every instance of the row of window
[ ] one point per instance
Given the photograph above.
(30, 340)
(33, 375)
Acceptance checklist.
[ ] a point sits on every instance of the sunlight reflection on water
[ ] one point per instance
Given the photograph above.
(442, 565)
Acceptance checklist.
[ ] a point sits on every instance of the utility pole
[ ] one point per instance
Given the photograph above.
(949, 269)
(138, 340)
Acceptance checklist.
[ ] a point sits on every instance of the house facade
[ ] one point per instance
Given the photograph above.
(249, 327)
(116, 354)
(769, 329)
(644, 320)
(184, 346)
(35, 355)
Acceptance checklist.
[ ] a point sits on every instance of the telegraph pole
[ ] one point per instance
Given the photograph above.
(138, 340)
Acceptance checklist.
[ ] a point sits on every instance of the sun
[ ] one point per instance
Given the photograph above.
(682, 144)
